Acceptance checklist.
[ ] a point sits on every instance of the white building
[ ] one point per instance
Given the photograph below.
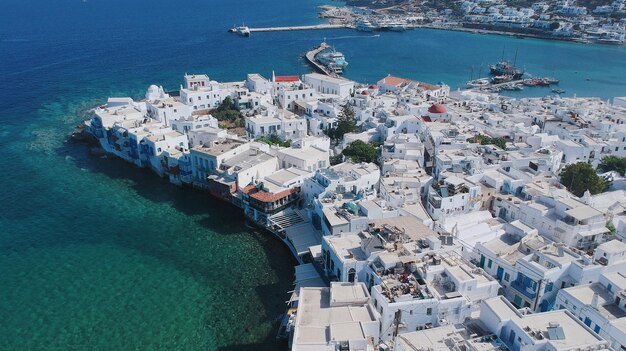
(324, 84)
(601, 306)
(548, 331)
(339, 317)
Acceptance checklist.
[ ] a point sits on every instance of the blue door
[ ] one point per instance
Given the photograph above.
(500, 273)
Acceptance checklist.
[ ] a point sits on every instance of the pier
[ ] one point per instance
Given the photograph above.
(293, 28)
(310, 57)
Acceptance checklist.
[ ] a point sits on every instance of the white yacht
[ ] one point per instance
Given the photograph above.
(244, 31)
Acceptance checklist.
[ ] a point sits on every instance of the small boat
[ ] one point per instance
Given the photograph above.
(502, 79)
(478, 83)
(241, 30)
(512, 87)
(397, 27)
(551, 80)
(558, 91)
(611, 41)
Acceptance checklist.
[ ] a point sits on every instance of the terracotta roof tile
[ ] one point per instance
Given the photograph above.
(264, 196)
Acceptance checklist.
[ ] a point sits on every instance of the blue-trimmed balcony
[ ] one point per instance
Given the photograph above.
(525, 290)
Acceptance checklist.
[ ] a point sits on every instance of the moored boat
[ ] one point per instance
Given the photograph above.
(334, 60)
(241, 30)
(365, 26)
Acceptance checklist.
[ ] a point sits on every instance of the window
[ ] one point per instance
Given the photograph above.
(429, 311)
(506, 277)
(489, 263)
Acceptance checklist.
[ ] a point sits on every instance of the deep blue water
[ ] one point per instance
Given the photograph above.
(95, 254)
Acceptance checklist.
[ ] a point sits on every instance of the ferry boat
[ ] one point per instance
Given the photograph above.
(241, 30)
(365, 26)
(333, 60)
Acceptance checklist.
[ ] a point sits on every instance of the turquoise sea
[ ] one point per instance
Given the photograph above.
(98, 255)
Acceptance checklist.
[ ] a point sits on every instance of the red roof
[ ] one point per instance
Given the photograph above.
(365, 92)
(437, 108)
(395, 81)
(265, 196)
(373, 86)
(286, 79)
(426, 119)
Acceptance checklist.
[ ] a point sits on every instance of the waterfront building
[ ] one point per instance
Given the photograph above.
(338, 317)
(207, 158)
(193, 122)
(200, 93)
(163, 108)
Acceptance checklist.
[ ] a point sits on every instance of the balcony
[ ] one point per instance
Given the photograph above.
(435, 201)
(526, 291)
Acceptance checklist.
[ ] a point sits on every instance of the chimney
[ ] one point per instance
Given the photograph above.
(560, 250)
(594, 301)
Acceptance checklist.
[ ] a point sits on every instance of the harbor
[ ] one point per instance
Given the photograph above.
(324, 59)
(296, 28)
(85, 236)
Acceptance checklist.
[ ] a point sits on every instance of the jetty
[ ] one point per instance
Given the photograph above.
(310, 58)
(294, 28)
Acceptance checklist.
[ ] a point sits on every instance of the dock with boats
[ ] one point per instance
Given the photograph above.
(518, 84)
(294, 28)
(310, 58)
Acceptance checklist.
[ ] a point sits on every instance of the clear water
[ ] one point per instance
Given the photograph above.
(95, 254)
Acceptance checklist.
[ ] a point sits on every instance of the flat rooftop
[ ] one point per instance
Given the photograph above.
(606, 303)
(559, 327)
(318, 322)
(219, 147)
(412, 227)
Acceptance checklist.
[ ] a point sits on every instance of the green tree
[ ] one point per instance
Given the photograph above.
(274, 140)
(346, 122)
(580, 177)
(555, 25)
(227, 105)
(227, 111)
(485, 140)
(336, 159)
(611, 227)
(360, 151)
(499, 142)
(613, 163)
